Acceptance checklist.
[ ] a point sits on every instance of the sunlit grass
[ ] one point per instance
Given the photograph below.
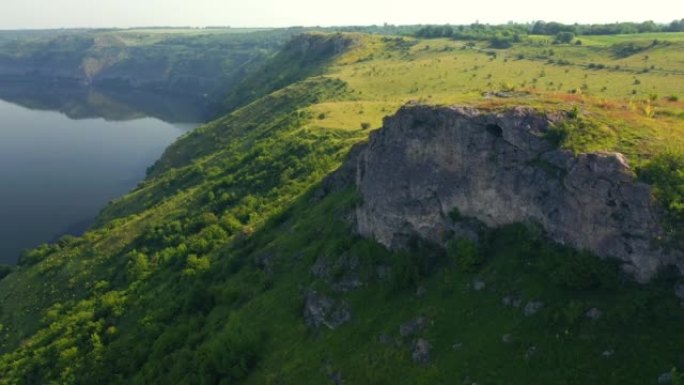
(615, 91)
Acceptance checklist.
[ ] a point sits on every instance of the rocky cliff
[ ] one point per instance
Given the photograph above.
(195, 64)
(497, 167)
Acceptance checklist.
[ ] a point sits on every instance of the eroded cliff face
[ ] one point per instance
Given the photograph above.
(427, 162)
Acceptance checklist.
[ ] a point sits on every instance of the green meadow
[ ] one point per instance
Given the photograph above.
(637, 96)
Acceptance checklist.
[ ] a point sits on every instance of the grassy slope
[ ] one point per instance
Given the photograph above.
(198, 275)
(443, 72)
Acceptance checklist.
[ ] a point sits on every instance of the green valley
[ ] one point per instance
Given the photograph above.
(238, 260)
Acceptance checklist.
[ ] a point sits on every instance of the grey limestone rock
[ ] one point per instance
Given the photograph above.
(320, 310)
(512, 300)
(499, 168)
(346, 277)
(594, 314)
(421, 351)
(532, 308)
(665, 378)
(413, 326)
(679, 291)
(478, 284)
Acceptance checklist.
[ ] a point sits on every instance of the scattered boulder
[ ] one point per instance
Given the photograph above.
(385, 339)
(321, 268)
(336, 378)
(679, 291)
(347, 284)
(665, 378)
(320, 310)
(383, 272)
(506, 338)
(421, 351)
(334, 375)
(532, 308)
(593, 314)
(512, 301)
(608, 353)
(342, 275)
(413, 326)
(478, 284)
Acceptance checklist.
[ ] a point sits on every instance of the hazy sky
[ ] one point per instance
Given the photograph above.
(243, 13)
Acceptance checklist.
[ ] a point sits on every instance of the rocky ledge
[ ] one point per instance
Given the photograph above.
(427, 162)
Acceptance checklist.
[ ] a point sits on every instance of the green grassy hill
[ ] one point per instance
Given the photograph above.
(235, 260)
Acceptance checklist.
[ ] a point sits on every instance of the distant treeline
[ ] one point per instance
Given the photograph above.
(552, 28)
(487, 32)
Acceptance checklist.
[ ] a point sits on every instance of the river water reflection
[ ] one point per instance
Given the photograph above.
(65, 153)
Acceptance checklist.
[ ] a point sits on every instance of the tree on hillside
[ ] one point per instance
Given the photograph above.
(435, 31)
(564, 37)
(550, 28)
(500, 42)
(676, 26)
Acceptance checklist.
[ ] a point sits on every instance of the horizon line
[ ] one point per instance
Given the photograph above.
(531, 22)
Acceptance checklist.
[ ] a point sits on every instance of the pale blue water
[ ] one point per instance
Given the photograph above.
(56, 173)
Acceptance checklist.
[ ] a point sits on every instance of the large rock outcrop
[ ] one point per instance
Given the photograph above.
(498, 167)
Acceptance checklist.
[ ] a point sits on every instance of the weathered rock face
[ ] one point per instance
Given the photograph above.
(176, 65)
(319, 45)
(497, 167)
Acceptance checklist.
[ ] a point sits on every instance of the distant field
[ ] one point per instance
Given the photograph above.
(635, 83)
(612, 39)
(192, 31)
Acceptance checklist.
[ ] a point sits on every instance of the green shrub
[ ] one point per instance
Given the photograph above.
(557, 134)
(465, 253)
(5, 270)
(33, 256)
(230, 356)
(455, 215)
(421, 259)
(580, 134)
(564, 38)
(500, 42)
(407, 271)
(622, 50)
(198, 299)
(581, 270)
(138, 266)
(677, 377)
(666, 173)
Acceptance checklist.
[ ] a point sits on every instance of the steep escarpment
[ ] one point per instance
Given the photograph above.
(203, 65)
(303, 56)
(429, 164)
